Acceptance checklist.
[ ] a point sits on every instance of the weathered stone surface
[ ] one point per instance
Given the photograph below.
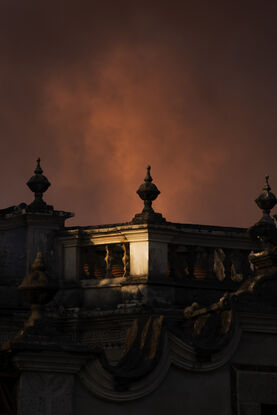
(45, 394)
(150, 316)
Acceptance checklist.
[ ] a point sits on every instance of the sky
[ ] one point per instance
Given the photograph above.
(100, 89)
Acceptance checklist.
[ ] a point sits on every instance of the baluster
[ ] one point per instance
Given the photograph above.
(201, 264)
(108, 261)
(236, 266)
(219, 267)
(125, 259)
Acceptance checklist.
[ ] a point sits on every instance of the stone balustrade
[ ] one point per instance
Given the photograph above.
(172, 252)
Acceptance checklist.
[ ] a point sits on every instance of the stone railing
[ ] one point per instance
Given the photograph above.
(169, 252)
(208, 263)
(104, 261)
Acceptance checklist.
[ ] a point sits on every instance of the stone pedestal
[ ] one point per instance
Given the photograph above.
(148, 254)
(22, 235)
(148, 258)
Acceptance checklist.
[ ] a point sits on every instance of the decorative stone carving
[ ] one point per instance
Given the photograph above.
(176, 351)
(100, 381)
(202, 262)
(37, 290)
(219, 267)
(265, 230)
(185, 356)
(39, 184)
(43, 240)
(108, 261)
(236, 269)
(140, 354)
(125, 260)
(148, 192)
(102, 337)
(104, 261)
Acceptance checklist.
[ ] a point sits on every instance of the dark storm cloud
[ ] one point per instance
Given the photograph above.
(101, 90)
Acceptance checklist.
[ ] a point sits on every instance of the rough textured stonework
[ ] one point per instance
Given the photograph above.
(146, 316)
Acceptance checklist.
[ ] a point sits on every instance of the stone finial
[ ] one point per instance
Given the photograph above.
(266, 200)
(38, 168)
(37, 279)
(265, 230)
(37, 289)
(38, 184)
(148, 192)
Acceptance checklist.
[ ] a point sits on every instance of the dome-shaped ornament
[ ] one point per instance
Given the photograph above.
(267, 200)
(148, 191)
(38, 184)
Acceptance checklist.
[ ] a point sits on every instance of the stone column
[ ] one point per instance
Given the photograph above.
(71, 257)
(139, 258)
(148, 255)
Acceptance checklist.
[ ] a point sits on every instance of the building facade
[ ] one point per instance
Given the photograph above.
(144, 316)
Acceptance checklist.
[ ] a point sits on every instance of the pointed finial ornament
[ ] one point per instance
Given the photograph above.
(148, 177)
(38, 169)
(38, 185)
(148, 192)
(265, 230)
(266, 200)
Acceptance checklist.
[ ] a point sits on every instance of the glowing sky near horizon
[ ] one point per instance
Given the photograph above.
(99, 90)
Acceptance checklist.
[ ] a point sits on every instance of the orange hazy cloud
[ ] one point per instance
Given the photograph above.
(100, 92)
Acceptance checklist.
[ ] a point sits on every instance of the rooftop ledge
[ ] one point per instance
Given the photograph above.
(166, 226)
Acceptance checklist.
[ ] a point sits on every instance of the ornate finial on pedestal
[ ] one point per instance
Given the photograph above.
(148, 177)
(37, 290)
(39, 184)
(38, 169)
(267, 200)
(264, 231)
(148, 192)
